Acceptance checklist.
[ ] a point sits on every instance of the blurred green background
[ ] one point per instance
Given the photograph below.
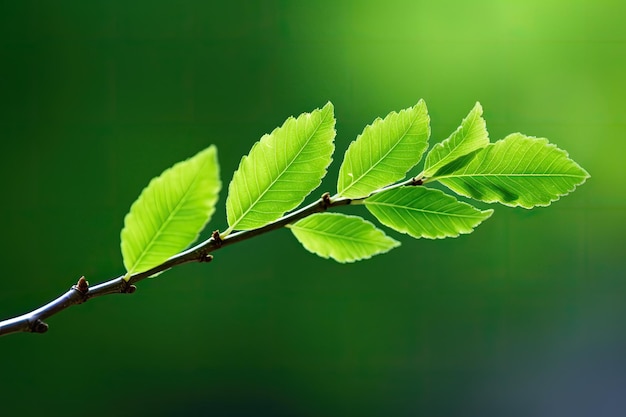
(525, 317)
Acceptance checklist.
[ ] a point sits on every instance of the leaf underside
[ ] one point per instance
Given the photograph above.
(425, 212)
(281, 170)
(341, 237)
(384, 152)
(516, 171)
(469, 137)
(170, 212)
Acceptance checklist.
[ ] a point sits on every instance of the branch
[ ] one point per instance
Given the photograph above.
(81, 292)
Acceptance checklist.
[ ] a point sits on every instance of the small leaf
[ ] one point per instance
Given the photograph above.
(170, 212)
(469, 137)
(517, 171)
(281, 170)
(425, 212)
(385, 151)
(341, 237)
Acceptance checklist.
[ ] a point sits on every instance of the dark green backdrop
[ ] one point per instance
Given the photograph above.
(523, 318)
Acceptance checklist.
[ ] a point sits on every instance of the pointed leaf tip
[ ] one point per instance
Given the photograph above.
(170, 212)
(281, 170)
(341, 237)
(384, 152)
(469, 137)
(425, 212)
(516, 171)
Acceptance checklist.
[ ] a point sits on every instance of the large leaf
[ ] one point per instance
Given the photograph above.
(517, 171)
(170, 212)
(469, 137)
(281, 170)
(341, 237)
(385, 151)
(425, 212)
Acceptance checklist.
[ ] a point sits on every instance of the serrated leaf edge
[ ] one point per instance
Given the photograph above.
(583, 178)
(329, 104)
(371, 126)
(483, 215)
(160, 179)
(477, 118)
(395, 243)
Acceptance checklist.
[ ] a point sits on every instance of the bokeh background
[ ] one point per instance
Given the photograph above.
(525, 317)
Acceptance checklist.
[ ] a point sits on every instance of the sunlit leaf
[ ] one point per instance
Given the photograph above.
(385, 151)
(341, 237)
(469, 137)
(517, 171)
(170, 212)
(425, 212)
(281, 170)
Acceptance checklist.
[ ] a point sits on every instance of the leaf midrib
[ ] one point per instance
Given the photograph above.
(508, 175)
(458, 145)
(249, 209)
(355, 181)
(181, 201)
(424, 210)
(336, 236)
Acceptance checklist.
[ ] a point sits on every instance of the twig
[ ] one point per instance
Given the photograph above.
(81, 292)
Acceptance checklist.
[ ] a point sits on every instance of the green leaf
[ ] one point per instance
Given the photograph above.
(469, 137)
(170, 212)
(517, 171)
(385, 151)
(425, 212)
(341, 237)
(281, 170)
